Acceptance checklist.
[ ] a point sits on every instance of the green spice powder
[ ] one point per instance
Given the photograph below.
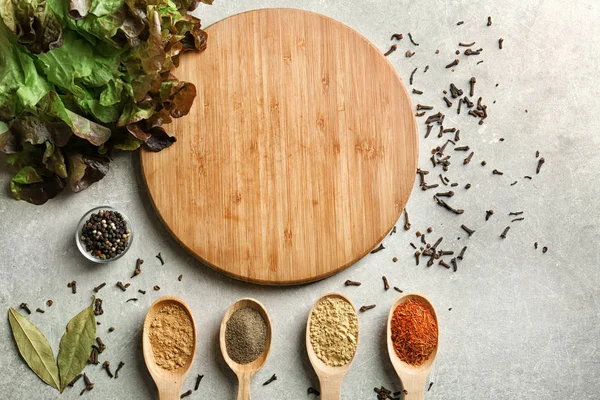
(334, 331)
(245, 335)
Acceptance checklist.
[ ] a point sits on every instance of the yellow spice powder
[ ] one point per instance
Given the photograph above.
(334, 331)
(172, 337)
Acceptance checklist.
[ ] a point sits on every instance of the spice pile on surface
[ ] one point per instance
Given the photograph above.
(105, 234)
(334, 331)
(246, 335)
(414, 332)
(172, 337)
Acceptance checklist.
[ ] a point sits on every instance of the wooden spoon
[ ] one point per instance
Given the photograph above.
(245, 372)
(413, 378)
(330, 378)
(168, 383)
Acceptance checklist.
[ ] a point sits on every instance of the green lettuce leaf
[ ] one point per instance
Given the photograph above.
(73, 60)
(21, 86)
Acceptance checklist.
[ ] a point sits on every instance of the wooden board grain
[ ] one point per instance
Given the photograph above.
(298, 155)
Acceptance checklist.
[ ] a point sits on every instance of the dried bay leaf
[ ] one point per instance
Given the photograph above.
(76, 345)
(34, 348)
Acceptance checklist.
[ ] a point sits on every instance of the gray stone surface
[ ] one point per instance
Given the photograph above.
(523, 324)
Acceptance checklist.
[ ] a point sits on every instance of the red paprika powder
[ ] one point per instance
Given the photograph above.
(414, 331)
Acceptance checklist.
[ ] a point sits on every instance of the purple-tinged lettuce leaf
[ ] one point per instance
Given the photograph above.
(136, 131)
(85, 170)
(28, 155)
(94, 133)
(28, 185)
(159, 140)
(54, 160)
(9, 143)
(34, 24)
(178, 97)
(30, 129)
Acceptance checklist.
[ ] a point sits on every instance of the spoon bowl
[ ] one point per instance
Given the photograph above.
(245, 372)
(330, 378)
(168, 383)
(413, 377)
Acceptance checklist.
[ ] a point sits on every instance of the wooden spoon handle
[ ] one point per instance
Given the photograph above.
(170, 392)
(331, 387)
(415, 386)
(244, 386)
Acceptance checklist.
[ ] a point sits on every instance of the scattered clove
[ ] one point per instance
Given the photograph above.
(472, 82)
(271, 379)
(106, 366)
(453, 63)
(539, 166)
(98, 306)
(412, 40)
(73, 286)
(138, 267)
(412, 75)
(468, 159)
(366, 308)
(391, 50)
(447, 206)
(378, 249)
(121, 364)
(198, 380)
(462, 253)
(467, 229)
(23, 306)
(406, 221)
(100, 286)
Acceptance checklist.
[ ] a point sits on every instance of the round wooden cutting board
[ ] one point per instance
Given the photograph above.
(298, 155)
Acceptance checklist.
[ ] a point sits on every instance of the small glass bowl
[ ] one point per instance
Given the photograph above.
(81, 245)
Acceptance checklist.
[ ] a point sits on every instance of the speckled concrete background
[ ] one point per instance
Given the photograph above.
(523, 325)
